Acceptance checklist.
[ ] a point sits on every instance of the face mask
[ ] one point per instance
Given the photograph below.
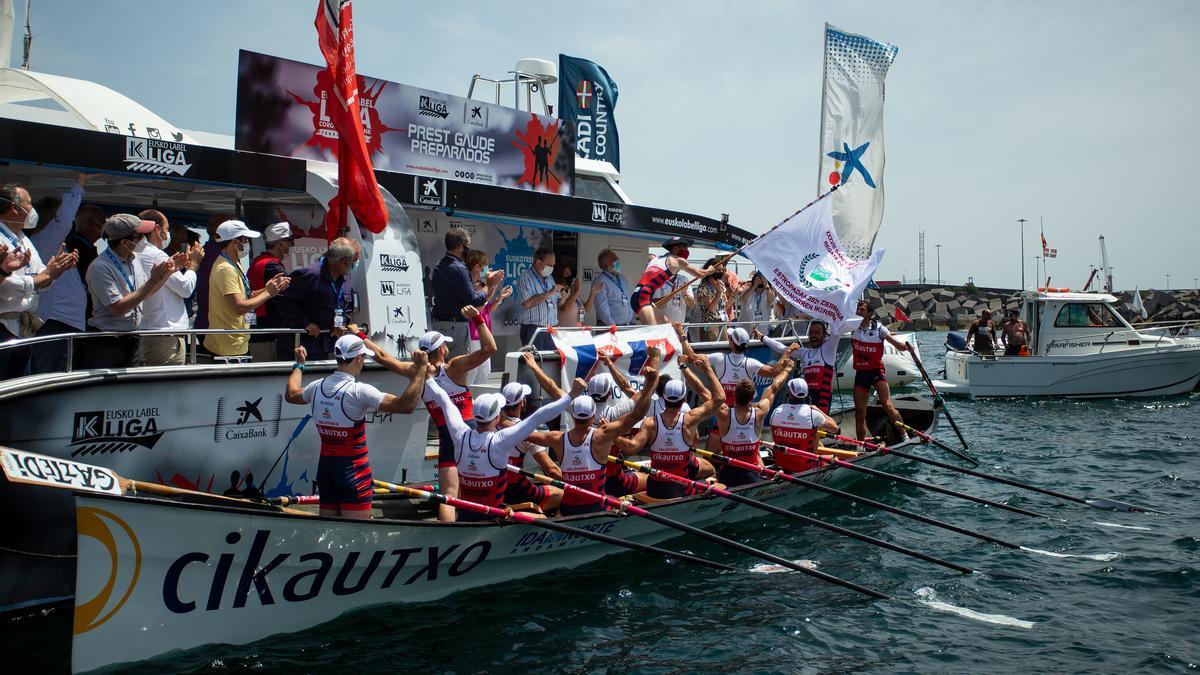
(31, 220)
(354, 267)
(483, 272)
(684, 253)
(166, 240)
(547, 271)
(616, 266)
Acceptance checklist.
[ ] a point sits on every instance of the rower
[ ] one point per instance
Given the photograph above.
(984, 333)
(521, 489)
(583, 451)
(602, 388)
(739, 428)
(659, 271)
(671, 435)
(735, 366)
(817, 362)
(451, 375)
(867, 342)
(340, 404)
(481, 455)
(794, 425)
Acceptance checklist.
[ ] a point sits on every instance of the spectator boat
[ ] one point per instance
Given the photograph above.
(1081, 347)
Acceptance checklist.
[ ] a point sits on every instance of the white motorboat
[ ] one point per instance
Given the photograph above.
(1080, 347)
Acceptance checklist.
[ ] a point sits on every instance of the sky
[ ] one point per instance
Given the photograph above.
(1079, 113)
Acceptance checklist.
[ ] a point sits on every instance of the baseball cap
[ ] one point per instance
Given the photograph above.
(674, 391)
(601, 385)
(515, 392)
(232, 229)
(486, 407)
(349, 347)
(277, 232)
(739, 336)
(432, 340)
(583, 407)
(798, 387)
(125, 225)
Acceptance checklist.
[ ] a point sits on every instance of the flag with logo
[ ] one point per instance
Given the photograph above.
(1048, 252)
(357, 189)
(803, 259)
(852, 134)
(586, 98)
(626, 346)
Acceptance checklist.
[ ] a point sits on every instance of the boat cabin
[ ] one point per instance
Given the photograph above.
(1067, 323)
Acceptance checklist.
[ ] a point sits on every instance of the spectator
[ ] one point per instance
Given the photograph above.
(266, 266)
(65, 307)
(572, 310)
(165, 310)
(539, 297)
(119, 286)
(212, 252)
(611, 292)
(20, 289)
(319, 299)
(453, 289)
(231, 302)
(477, 267)
(758, 300)
(715, 298)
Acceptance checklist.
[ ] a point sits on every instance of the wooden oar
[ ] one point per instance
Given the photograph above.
(626, 507)
(922, 435)
(902, 479)
(771, 508)
(1099, 503)
(938, 397)
(546, 524)
(780, 475)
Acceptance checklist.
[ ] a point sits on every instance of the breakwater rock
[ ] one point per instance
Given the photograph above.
(955, 307)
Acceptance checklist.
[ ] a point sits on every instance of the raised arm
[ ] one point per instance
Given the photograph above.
(768, 395)
(545, 381)
(460, 365)
(507, 438)
(410, 398)
(706, 409)
(695, 384)
(641, 404)
(618, 376)
(454, 420)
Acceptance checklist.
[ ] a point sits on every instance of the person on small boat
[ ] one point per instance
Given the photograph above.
(583, 451)
(794, 425)
(817, 361)
(867, 343)
(482, 454)
(451, 375)
(340, 404)
(521, 489)
(671, 435)
(739, 427)
(982, 334)
(734, 366)
(659, 271)
(1014, 334)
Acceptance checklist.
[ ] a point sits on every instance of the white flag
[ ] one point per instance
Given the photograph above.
(1137, 304)
(804, 261)
(852, 134)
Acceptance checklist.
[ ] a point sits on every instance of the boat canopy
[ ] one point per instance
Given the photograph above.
(1042, 296)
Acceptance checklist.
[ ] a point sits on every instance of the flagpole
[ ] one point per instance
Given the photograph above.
(821, 124)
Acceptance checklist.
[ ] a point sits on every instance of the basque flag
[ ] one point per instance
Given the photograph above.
(357, 189)
(586, 99)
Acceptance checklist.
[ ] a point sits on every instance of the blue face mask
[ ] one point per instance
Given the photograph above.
(616, 266)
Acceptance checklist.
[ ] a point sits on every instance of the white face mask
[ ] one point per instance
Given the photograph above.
(483, 272)
(31, 220)
(547, 271)
(166, 240)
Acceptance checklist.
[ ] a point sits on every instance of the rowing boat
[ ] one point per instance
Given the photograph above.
(156, 574)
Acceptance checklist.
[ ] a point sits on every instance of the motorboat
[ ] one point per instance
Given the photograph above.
(1080, 347)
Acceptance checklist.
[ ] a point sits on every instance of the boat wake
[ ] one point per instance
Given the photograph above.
(1122, 527)
(926, 596)
(1101, 557)
(764, 568)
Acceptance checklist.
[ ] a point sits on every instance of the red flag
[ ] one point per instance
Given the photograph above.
(357, 188)
(901, 316)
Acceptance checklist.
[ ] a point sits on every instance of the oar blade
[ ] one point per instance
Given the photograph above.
(1115, 505)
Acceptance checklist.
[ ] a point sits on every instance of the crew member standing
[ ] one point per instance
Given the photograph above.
(867, 342)
(817, 362)
(660, 271)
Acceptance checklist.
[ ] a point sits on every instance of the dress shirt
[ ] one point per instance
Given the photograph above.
(18, 292)
(66, 299)
(165, 309)
(612, 300)
(453, 289)
(545, 313)
(108, 281)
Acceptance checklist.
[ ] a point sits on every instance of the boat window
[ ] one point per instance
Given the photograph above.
(1086, 315)
(595, 187)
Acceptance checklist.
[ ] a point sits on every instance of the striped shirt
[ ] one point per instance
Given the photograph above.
(545, 313)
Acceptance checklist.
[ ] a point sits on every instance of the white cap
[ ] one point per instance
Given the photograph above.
(601, 385)
(515, 392)
(350, 346)
(232, 229)
(486, 407)
(583, 407)
(277, 231)
(432, 340)
(798, 387)
(739, 336)
(674, 391)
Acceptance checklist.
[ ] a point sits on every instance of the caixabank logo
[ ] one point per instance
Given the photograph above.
(99, 432)
(240, 419)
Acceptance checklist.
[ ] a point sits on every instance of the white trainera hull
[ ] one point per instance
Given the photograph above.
(156, 575)
(1163, 371)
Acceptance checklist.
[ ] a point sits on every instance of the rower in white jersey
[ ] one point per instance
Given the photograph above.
(817, 361)
(521, 489)
(734, 366)
(482, 453)
(583, 451)
(605, 390)
(739, 427)
(794, 425)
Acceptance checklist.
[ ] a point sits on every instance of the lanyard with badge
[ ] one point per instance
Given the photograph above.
(339, 310)
(118, 263)
(16, 242)
(251, 316)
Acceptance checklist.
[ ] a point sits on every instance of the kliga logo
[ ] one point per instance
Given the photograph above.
(115, 537)
(104, 431)
(148, 155)
(433, 107)
(389, 262)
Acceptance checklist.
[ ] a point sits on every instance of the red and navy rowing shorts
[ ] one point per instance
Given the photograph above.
(865, 379)
(445, 449)
(521, 489)
(345, 482)
(733, 476)
(624, 483)
(667, 489)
